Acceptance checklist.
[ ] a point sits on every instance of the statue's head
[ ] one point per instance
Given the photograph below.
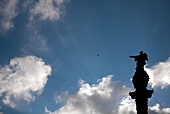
(141, 52)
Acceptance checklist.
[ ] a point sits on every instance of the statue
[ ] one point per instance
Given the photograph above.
(140, 81)
(140, 59)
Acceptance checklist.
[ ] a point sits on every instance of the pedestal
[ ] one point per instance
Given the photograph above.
(141, 94)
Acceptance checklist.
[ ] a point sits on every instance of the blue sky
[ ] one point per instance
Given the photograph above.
(49, 59)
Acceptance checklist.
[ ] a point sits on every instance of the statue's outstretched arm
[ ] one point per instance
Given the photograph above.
(132, 56)
(136, 57)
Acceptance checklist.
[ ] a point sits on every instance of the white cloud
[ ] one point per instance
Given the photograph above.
(128, 106)
(36, 43)
(22, 78)
(48, 9)
(159, 74)
(96, 99)
(8, 11)
(62, 97)
(157, 110)
(107, 97)
(43, 9)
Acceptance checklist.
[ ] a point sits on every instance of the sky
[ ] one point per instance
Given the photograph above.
(49, 61)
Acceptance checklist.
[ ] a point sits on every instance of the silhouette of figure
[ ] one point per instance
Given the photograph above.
(140, 59)
(140, 81)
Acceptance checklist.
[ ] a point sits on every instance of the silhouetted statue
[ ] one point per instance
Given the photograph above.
(140, 81)
(140, 59)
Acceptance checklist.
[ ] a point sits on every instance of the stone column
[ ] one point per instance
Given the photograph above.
(141, 94)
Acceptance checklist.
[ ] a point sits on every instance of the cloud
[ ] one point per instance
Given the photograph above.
(36, 43)
(128, 106)
(159, 74)
(62, 97)
(42, 9)
(27, 3)
(8, 11)
(157, 110)
(107, 97)
(48, 9)
(95, 99)
(22, 79)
